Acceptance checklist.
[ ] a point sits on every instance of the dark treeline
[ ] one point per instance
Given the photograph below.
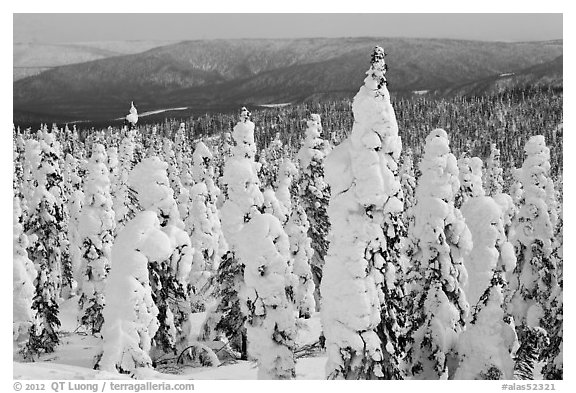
(508, 119)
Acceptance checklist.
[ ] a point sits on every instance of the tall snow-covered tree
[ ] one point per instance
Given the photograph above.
(203, 224)
(46, 223)
(168, 277)
(267, 296)
(96, 229)
(487, 346)
(515, 191)
(75, 204)
(29, 166)
(130, 314)
(270, 160)
(132, 117)
(296, 225)
(408, 183)
(243, 200)
(301, 251)
(169, 156)
(112, 165)
(361, 286)
(533, 304)
(493, 180)
(125, 202)
(470, 176)
(24, 274)
(485, 218)
(553, 354)
(315, 191)
(440, 239)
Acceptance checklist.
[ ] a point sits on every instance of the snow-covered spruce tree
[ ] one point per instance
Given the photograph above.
(296, 225)
(125, 202)
(182, 144)
(515, 189)
(553, 354)
(29, 167)
(470, 176)
(132, 117)
(267, 296)
(23, 277)
(314, 191)
(169, 156)
(489, 342)
(185, 198)
(493, 180)
(270, 160)
(361, 286)
(287, 171)
(202, 170)
(408, 183)
(485, 219)
(67, 280)
(441, 239)
(112, 165)
(301, 251)
(168, 278)
(73, 174)
(75, 205)
(204, 226)
(46, 223)
(533, 305)
(96, 229)
(206, 236)
(243, 200)
(273, 206)
(486, 346)
(130, 315)
(18, 174)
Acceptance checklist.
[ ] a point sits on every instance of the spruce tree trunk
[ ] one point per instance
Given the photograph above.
(244, 351)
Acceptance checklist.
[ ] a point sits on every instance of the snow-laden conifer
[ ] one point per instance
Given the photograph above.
(470, 176)
(203, 224)
(267, 296)
(270, 160)
(361, 288)
(132, 117)
(24, 274)
(301, 251)
(243, 200)
(408, 183)
(168, 277)
(487, 345)
(440, 239)
(533, 304)
(113, 170)
(296, 225)
(169, 156)
(485, 219)
(96, 227)
(314, 190)
(124, 202)
(493, 180)
(130, 314)
(46, 223)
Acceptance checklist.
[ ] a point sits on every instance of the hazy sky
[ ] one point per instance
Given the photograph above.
(112, 27)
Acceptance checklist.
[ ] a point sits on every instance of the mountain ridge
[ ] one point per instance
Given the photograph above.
(264, 71)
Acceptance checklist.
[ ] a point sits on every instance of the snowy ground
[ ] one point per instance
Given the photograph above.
(74, 358)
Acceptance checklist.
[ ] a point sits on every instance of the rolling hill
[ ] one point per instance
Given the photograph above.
(226, 73)
(33, 58)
